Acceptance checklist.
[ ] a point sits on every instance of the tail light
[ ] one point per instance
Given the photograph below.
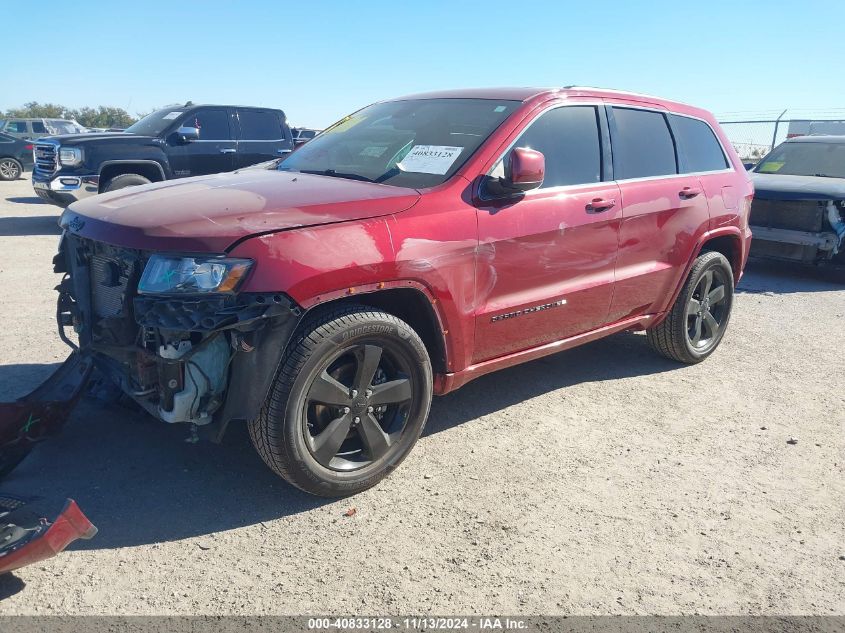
(745, 209)
(29, 147)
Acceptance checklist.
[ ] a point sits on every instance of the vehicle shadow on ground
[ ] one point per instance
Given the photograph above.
(139, 482)
(30, 225)
(765, 276)
(26, 200)
(619, 356)
(10, 585)
(18, 380)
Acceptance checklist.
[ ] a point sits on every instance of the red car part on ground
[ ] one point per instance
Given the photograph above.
(27, 538)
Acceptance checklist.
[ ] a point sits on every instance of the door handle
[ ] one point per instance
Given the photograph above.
(228, 150)
(689, 192)
(597, 205)
(284, 151)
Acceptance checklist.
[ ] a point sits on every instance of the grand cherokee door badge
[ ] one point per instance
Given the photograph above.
(545, 306)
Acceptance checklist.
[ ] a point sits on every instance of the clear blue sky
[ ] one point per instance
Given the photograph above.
(321, 60)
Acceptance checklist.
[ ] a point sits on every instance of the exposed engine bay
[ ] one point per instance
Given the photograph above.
(173, 355)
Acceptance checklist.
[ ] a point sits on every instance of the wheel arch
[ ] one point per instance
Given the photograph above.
(150, 169)
(728, 241)
(409, 303)
(729, 245)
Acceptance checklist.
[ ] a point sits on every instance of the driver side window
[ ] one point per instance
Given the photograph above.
(569, 138)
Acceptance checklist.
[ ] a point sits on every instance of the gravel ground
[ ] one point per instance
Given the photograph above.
(600, 480)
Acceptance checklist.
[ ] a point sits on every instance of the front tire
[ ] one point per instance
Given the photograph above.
(348, 404)
(699, 317)
(125, 180)
(10, 169)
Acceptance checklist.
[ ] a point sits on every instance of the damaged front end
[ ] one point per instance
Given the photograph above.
(808, 231)
(182, 353)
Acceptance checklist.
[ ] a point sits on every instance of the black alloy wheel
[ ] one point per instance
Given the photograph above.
(348, 403)
(698, 319)
(357, 407)
(707, 309)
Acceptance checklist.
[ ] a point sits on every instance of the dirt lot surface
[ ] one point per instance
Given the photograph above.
(601, 480)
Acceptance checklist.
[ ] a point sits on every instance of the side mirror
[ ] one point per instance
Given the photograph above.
(524, 171)
(188, 134)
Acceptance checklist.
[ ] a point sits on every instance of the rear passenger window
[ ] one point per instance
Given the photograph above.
(642, 145)
(260, 126)
(213, 124)
(568, 137)
(38, 127)
(698, 148)
(18, 127)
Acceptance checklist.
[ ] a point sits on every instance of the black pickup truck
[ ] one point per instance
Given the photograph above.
(175, 142)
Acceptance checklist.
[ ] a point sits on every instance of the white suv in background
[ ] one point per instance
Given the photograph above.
(33, 128)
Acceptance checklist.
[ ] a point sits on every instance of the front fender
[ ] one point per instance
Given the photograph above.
(315, 265)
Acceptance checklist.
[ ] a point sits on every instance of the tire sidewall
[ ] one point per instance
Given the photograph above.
(125, 178)
(385, 332)
(714, 261)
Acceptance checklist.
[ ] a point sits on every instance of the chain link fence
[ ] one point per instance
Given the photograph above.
(754, 139)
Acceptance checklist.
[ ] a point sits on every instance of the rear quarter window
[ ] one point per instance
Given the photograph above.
(698, 147)
(642, 144)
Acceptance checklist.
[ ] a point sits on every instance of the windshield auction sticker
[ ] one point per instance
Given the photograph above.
(430, 159)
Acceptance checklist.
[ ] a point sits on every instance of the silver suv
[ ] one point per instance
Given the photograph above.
(33, 128)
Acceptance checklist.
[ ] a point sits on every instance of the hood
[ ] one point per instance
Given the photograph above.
(784, 187)
(100, 137)
(210, 213)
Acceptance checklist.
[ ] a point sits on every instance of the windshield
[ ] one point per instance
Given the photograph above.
(155, 123)
(417, 143)
(805, 159)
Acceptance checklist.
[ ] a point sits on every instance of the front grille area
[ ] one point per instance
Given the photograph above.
(796, 215)
(102, 284)
(46, 161)
(109, 283)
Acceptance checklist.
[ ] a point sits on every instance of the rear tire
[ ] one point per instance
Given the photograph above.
(699, 317)
(125, 180)
(10, 169)
(348, 404)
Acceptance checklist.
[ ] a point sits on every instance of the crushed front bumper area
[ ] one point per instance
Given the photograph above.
(27, 537)
(200, 359)
(42, 413)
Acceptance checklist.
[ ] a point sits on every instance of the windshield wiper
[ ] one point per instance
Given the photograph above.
(824, 176)
(336, 174)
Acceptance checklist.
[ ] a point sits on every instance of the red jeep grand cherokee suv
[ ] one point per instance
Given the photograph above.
(413, 246)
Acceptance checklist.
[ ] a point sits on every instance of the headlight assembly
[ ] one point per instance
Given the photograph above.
(176, 274)
(70, 156)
